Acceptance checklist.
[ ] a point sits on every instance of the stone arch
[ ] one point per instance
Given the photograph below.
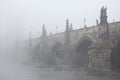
(54, 50)
(56, 46)
(81, 51)
(89, 38)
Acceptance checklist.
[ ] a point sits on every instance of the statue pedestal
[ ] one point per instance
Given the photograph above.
(100, 56)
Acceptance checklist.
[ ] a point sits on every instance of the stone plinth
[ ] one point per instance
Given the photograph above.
(100, 56)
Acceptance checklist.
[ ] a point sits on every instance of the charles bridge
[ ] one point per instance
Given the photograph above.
(95, 47)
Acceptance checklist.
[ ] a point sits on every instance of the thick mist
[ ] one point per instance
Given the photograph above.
(20, 51)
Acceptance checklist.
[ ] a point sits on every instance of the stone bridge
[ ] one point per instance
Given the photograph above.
(95, 47)
(83, 34)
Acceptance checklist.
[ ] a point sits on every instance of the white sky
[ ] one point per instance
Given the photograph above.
(19, 17)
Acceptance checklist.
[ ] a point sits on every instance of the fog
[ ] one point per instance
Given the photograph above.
(18, 18)
(24, 16)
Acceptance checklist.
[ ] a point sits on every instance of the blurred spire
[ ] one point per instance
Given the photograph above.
(67, 25)
(44, 33)
(85, 23)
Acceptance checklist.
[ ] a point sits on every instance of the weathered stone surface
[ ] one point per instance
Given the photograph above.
(100, 56)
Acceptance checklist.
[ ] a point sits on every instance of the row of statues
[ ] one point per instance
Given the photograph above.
(103, 20)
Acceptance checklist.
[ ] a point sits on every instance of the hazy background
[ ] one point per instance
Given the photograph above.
(19, 17)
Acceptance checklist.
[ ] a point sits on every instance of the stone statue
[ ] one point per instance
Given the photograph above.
(104, 27)
(103, 16)
(97, 22)
(67, 33)
(71, 28)
(67, 25)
